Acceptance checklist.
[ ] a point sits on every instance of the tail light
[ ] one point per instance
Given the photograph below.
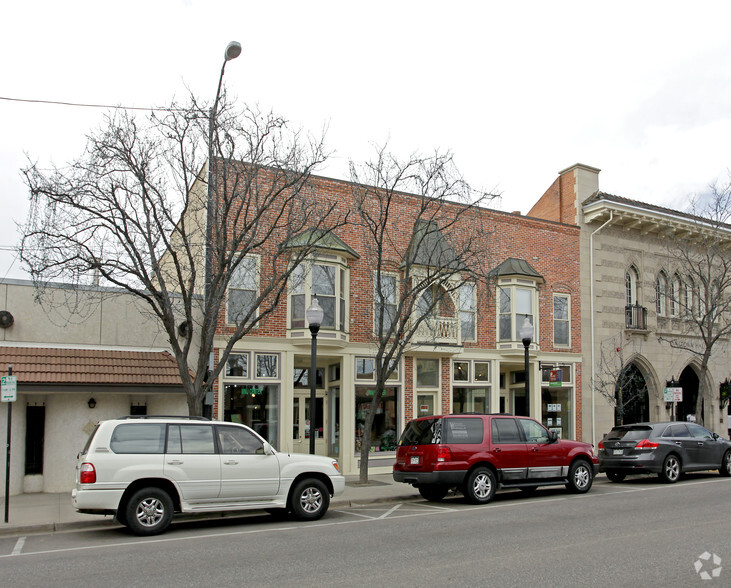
(444, 453)
(647, 444)
(601, 444)
(87, 474)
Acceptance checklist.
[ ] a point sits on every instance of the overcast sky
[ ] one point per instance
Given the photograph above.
(517, 90)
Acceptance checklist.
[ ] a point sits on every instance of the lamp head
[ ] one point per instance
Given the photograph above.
(526, 330)
(233, 50)
(314, 314)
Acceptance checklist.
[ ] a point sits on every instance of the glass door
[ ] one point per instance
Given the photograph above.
(304, 425)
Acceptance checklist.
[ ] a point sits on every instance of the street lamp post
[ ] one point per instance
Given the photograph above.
(314, 315)
(233, 50)
(526, 334)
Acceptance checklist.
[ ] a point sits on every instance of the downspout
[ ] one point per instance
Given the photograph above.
(591, 313)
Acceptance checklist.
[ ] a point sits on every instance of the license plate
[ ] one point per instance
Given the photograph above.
(618, 452)
(414, 460)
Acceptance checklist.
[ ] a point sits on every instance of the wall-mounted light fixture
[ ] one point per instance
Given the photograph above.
(91, 403)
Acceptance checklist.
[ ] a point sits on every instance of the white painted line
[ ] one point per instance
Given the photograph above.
(388, 512)
(18, 549)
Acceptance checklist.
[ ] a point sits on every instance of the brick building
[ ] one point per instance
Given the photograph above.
(469, 358)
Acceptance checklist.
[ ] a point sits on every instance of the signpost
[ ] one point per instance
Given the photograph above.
(9, 393)
(674, 395)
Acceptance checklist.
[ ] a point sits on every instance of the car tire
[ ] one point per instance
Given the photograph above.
(433, 493)
(480, 486)
(581, 477)
(148, 512)
(725, 469)
(670, 472)
(616, 476)
(309, 500)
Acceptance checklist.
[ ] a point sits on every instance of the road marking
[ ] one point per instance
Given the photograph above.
(18, 549)
(389, 511)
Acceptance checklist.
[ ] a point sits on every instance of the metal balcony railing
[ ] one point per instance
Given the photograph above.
(635, 317)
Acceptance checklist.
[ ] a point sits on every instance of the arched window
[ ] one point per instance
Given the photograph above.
(661, 289)
(688, 303)
(675, 296)
(631, 280)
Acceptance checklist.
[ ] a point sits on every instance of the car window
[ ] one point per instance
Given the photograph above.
(534, 432)
(138, 438)
(629, 433)
(422, 432)
(505, 431)
(463, 430)
(676, 430)
(191, 439)
(238, 440)
(699, 432)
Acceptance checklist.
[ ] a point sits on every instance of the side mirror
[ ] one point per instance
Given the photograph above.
(268, 449)
(716, 436)
(552, 437)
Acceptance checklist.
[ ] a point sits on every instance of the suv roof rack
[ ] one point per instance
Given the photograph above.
(162, 416)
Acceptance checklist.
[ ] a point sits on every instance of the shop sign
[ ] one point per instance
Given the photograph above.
(9, 388)
(555, 377)
(253, 390)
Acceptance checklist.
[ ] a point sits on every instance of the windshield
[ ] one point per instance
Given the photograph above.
(629, 433)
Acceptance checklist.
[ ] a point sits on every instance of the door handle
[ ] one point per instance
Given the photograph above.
(700, 443)
(497, 450)
(231, 462)
(678, 443)
(175, 462)
(534, 449)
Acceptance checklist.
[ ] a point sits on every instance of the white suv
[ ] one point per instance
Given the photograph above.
(143, 469)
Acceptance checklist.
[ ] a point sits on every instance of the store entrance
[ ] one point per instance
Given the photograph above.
(305, 423)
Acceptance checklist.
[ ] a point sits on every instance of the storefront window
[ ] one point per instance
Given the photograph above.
(254, 405)
(556, 411)
(384, 435)
(470, 400)
(237, 365)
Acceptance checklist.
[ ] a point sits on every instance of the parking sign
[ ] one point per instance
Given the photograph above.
(9, 388)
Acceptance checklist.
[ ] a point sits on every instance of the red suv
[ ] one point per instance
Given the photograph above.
(478, 454)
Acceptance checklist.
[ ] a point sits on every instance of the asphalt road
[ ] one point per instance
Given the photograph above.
(639, 532)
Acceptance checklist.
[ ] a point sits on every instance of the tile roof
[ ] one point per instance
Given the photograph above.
(46, 365)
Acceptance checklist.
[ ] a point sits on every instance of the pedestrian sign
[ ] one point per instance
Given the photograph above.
(9, 388)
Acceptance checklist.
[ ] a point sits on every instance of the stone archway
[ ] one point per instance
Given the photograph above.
(689, 383)
(632, 398)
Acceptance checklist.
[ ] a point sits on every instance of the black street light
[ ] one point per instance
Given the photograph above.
(314, 315)
(526, 334)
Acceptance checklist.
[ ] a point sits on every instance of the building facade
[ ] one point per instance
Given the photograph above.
(80, 357)
(636, 300)
(470, 359)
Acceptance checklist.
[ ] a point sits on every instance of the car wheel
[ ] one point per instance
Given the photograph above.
(433, 493)
(149, 511)
(670, 472)
(580, 477)
(616, 476)
(480, 486)
(309, 500)
(725, 469)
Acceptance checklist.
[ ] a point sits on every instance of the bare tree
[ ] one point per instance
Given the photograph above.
(618, 380)
(140, 210)
(700, 290)
(424, 239)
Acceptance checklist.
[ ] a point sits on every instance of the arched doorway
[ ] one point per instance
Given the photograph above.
(632, 400)
(689, 383)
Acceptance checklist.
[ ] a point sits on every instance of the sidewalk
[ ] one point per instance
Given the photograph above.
(46, 513)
